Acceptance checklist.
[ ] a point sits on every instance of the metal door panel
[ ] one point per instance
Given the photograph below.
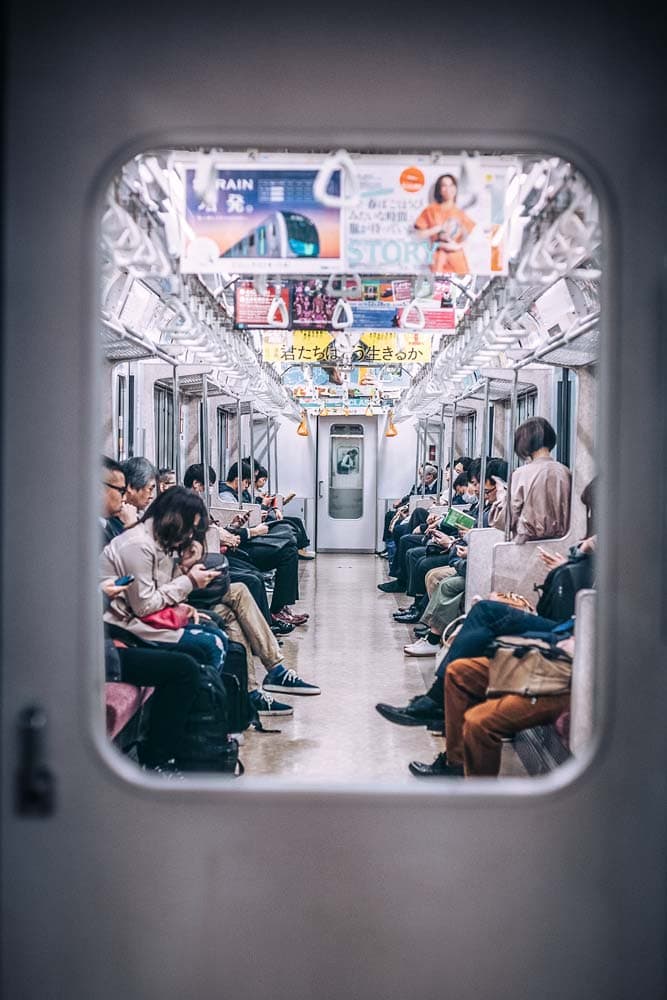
(553, 890)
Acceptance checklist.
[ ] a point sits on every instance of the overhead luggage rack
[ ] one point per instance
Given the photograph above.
(585, 350)
(118, 348)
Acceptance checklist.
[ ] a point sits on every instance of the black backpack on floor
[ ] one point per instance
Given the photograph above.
(240, 712)
(558, 592)
(205, 745)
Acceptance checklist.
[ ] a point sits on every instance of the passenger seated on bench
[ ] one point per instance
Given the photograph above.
(140, 479)
(460, 488)
(175, 676)
(241, 570)
(280, 554)
(428, 475)
(240, 617)
(485, 620)
(540, 501)
(477, 725)
(146, 552)
(113, 494)
(302, 540)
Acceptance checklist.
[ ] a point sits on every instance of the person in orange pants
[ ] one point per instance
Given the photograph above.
(476, 725)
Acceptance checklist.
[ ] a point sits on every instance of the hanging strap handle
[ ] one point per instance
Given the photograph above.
(406, 323)
(278, 316)
(340, 286)
(341, 160)
(342, 317)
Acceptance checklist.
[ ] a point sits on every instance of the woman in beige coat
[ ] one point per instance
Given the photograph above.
(540, 500)
(150, 553)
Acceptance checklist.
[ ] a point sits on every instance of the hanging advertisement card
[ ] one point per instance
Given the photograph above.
(260, 219)
(445, 216)
(252, 309)
(311, 308)
(381, 347)
(298, 346)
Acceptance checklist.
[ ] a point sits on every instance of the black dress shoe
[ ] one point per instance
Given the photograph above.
(392, 587)
(420, 711)
(408, 617)
(281, 628)
(440, 768)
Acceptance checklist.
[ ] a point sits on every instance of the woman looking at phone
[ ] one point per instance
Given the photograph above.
(150, 552)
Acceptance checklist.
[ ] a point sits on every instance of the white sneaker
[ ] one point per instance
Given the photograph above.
(422, 647)
(306, 554)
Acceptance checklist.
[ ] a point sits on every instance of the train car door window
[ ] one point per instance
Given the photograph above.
(346, 471)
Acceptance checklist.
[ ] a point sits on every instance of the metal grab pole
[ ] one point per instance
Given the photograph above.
(425, 449)
(176, 427)
(511, 456)
(485, 451)
(275, 455)
(205, 442)
(451, 453)
(441, 435)
(268, 455)
(239, 481)
(251, 419)
(419, 429)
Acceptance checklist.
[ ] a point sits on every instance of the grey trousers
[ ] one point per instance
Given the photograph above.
(445, 603)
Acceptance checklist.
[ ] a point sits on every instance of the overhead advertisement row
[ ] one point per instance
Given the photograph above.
(404, 217)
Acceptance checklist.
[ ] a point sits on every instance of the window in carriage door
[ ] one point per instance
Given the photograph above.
(163, 407)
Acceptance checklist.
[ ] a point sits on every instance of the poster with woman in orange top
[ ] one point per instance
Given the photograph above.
(447, 226)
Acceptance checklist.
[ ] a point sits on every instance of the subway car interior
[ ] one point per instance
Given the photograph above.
(333, 663)
(298, 313)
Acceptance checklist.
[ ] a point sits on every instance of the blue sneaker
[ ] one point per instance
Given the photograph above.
(266, 705)
(286, 681)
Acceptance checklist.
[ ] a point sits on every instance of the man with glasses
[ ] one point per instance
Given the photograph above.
(113, 495)
(140, 478)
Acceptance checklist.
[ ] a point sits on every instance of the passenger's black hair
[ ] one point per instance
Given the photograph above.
(533, 434)
(465, 462)
(138, 472)
(461, 480)
(260, 472)
(474, 468)
(588, 499)
(436, 189)
(173, 515)
(111, 465)
(496, 467)
(233, 472)
(195, 473)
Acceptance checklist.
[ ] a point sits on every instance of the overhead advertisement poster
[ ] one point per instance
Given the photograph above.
(259, 219)
(305, 346)
(446, 217)
(383, 347)
(252, 309)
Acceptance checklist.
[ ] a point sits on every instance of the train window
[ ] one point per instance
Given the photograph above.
(346, 479)
(525, 406)
(470, 434)
(163, 403)
(331, 331)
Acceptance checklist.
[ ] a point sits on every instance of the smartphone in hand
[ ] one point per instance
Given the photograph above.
(122, 581)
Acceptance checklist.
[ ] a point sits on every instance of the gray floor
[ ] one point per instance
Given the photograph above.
(353, 649)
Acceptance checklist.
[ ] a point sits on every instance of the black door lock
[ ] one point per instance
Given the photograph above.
(35, 784)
